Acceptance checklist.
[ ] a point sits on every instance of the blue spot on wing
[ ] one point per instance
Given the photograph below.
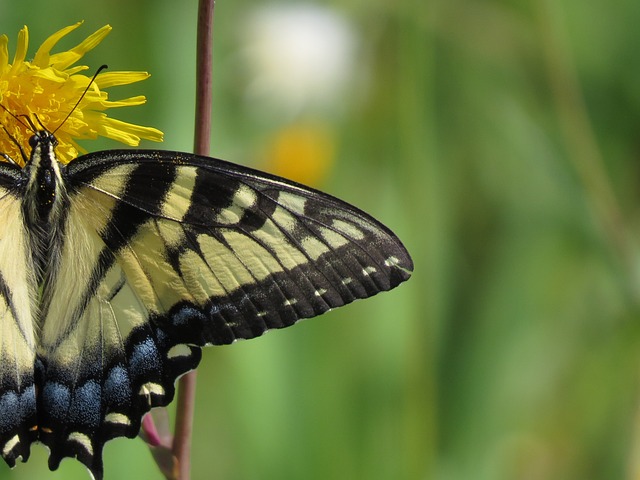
(144, 358)
(56, 398)
(117, 387)
(85, 406)
(16, 407)
(185, 315)
(9, 402)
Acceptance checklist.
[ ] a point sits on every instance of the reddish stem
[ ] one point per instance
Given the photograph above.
(204, 75)
(151, 435)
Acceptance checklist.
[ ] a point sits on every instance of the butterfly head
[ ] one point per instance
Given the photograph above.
(42, 138)
(43, 144)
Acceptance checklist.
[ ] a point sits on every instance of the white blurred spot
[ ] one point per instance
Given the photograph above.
(299, 57)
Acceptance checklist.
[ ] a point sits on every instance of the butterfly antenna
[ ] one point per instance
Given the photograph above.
(102, 67)
(17, 117)
(12, 138)
(28, 125)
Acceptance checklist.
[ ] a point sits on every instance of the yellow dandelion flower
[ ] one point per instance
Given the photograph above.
(46, 89)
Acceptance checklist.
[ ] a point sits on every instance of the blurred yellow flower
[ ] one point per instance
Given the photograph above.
(46, 89)
(304, 152)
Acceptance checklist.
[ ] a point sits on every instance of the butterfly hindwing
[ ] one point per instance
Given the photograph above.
(162, 253)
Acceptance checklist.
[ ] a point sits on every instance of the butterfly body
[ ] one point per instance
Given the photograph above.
(117, 268)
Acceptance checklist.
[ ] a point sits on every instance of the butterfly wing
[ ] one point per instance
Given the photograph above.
(17, 337)
(166, 252)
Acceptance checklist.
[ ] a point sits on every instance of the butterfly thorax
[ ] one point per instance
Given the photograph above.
(45, 203)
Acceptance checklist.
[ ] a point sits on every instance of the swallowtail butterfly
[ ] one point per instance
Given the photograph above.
(117, 268)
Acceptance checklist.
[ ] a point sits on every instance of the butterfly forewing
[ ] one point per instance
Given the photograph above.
(259, 251)
(162, 253)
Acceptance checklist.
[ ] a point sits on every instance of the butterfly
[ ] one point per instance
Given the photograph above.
(117, 268)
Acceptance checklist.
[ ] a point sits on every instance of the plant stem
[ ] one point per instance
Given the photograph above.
(187, 384)
(204, 75)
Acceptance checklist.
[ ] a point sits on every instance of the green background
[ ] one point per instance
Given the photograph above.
(500, 140)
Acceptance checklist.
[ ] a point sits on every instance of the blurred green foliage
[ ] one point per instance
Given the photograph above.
(499, 139)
